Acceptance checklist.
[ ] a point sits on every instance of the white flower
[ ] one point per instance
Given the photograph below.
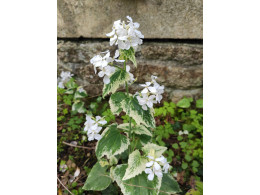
(106, 72)
(147, 87)
(159, 90)
(64, 78)
(125, 35)
(146, 100)
(60, 85)
(183, 132)
(63, 168)
(92, 127)
(99, 61)
(154, 166)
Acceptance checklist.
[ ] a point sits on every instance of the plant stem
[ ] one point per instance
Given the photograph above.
(130, 118)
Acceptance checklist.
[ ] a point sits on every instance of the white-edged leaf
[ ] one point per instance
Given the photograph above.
(119, 77)
(79, 107)
(155, 149)
(169, 185)
(98, 178)
(128, 54)
(111, 143)
(139, 185)
(136, 165)
(138, 129)
(121, 102)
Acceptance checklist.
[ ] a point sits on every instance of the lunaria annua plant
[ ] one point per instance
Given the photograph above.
(125, 153)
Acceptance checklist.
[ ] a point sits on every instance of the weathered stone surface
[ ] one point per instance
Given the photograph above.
(178, 19)
(178, 66)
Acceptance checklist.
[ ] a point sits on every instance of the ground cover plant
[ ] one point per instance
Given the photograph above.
(116, 144)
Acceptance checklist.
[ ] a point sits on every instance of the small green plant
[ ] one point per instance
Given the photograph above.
(181, 130)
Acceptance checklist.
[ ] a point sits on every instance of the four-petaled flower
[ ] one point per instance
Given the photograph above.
(154, 167)
(92, 127)
(125, 35)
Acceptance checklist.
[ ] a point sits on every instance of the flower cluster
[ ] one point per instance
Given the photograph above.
(65, 77)
(154, 167)
(125, 35)
(103, 64)
(92, 126)
(185, 132)
(151, 94)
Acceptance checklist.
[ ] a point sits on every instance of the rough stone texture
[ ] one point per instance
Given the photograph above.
(177, 65)
(178, 19)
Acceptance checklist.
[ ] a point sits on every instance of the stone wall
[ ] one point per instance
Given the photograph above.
(173, 52)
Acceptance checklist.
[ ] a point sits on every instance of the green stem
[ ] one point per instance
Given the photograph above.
(130, 118)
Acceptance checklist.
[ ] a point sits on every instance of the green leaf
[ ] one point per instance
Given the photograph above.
(119, 77)
(138, 185)
(199, 103)
(136, 165)
(169, 185)
(195, 163)
(175, 146)
(120, 101)
(111, 143)
(154, 149)
(184, 103)
(183, 144)
(138, 129)
(98, 178)
(79, 107)
(184, 165)
(129, 54)
(188, 157)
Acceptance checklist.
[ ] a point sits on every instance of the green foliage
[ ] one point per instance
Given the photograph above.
(185, 152)
(122, 102)
(111, 143)
(98, 178)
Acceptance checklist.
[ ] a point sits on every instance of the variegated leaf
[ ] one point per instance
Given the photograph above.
(128, 54)
(137, 185)
(138, 129)
(98, 178)
(136, 165)
(169, 185)
(120, 101)
(111, 143)
(154, 150)
(118, 78)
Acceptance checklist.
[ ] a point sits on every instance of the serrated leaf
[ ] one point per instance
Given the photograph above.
(121, 102)
(137, 185)
(119, 77)
(138, 129)
(128, 54)
(98, 178)
(136, 165)
(111, 143)
(184, 103)
(169, 185)
(157, 150)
